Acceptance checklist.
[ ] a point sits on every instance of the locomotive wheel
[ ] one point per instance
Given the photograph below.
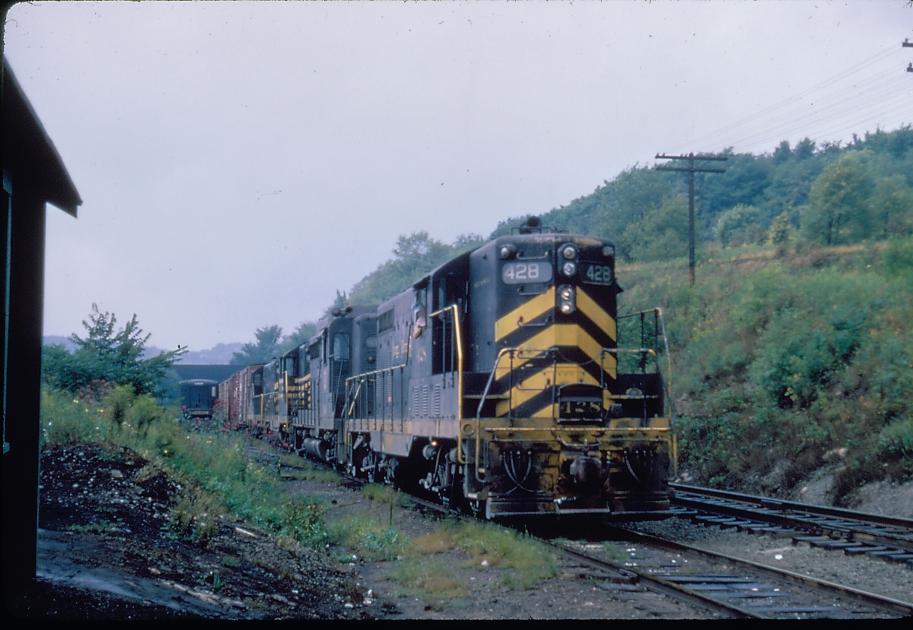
(369, 465)
(390, 466)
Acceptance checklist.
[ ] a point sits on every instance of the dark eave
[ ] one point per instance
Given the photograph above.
(30, 159)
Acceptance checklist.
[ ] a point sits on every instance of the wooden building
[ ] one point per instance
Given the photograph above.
(33, 176)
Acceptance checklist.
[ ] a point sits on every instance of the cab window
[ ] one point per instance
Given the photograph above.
(341, 347)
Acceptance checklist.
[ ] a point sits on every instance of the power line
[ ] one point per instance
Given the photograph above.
(767, 111)
(691, 169)
(828, 114)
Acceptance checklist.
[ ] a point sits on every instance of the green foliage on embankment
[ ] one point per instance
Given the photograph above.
(215, 471)
(786, 360)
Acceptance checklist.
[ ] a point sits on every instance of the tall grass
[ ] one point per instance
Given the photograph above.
(218, 477)
(523, 561)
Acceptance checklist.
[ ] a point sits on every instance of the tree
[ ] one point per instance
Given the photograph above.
(739, 225)
(782, 152)
(892, 206)
(663, 233)
(778, 234)
(302, 334)
(838, 208)
(338, 304)
(108, 355)
(263, 350)
(804, 149)
(465, 242)
(415, 255)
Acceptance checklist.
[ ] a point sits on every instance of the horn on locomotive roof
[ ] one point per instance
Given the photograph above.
(533, 224)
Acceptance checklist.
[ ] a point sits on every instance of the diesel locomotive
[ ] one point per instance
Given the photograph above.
(496, 382)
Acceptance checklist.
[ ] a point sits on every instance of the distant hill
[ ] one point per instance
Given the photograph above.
(220, 354)
(57, 340)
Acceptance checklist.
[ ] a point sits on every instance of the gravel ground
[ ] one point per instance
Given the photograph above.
(105, 553)
(103, 533)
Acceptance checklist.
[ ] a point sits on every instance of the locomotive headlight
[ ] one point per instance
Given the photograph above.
(507, 251)
(569, 268)
(566, 299)
(569, 252)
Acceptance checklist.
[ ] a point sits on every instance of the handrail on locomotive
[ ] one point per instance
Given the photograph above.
(659, 328)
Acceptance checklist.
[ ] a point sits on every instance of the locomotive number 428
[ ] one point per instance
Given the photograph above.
(597, 274)
(520, 272)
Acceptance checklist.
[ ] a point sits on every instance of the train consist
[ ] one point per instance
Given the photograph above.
(495, 382)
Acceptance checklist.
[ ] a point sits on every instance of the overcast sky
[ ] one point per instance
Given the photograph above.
(239, 162)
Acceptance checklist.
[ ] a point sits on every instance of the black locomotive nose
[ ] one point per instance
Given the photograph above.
(586, 471)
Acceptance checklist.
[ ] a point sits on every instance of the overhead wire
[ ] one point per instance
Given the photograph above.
(849, 118)
(840, 132)
(769, 125)
(835, 110)
(881, 54)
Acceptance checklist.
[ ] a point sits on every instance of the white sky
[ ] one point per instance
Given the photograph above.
(239, 162)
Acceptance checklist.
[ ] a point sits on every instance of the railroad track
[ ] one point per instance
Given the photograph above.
(855, 533)
(725, 586)
(729, 586)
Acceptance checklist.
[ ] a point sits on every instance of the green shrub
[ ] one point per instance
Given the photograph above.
(116, 402)
(143, 414)
(372, 538)
(898, 257)
(783, 359)
(896, 440)
(303, 521)
(66, 420)
(196, 514)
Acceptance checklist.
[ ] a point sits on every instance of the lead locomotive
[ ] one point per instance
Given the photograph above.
(495, 381)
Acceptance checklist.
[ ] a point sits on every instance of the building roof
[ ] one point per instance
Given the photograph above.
(30, 159)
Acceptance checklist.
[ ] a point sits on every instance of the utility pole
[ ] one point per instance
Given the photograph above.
(691, 169)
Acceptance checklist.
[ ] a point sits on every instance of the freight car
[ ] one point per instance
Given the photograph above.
(236, 396)
(495, 382)
(198, 397)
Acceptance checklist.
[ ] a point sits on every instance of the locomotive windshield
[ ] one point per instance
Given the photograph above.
(341, 347)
